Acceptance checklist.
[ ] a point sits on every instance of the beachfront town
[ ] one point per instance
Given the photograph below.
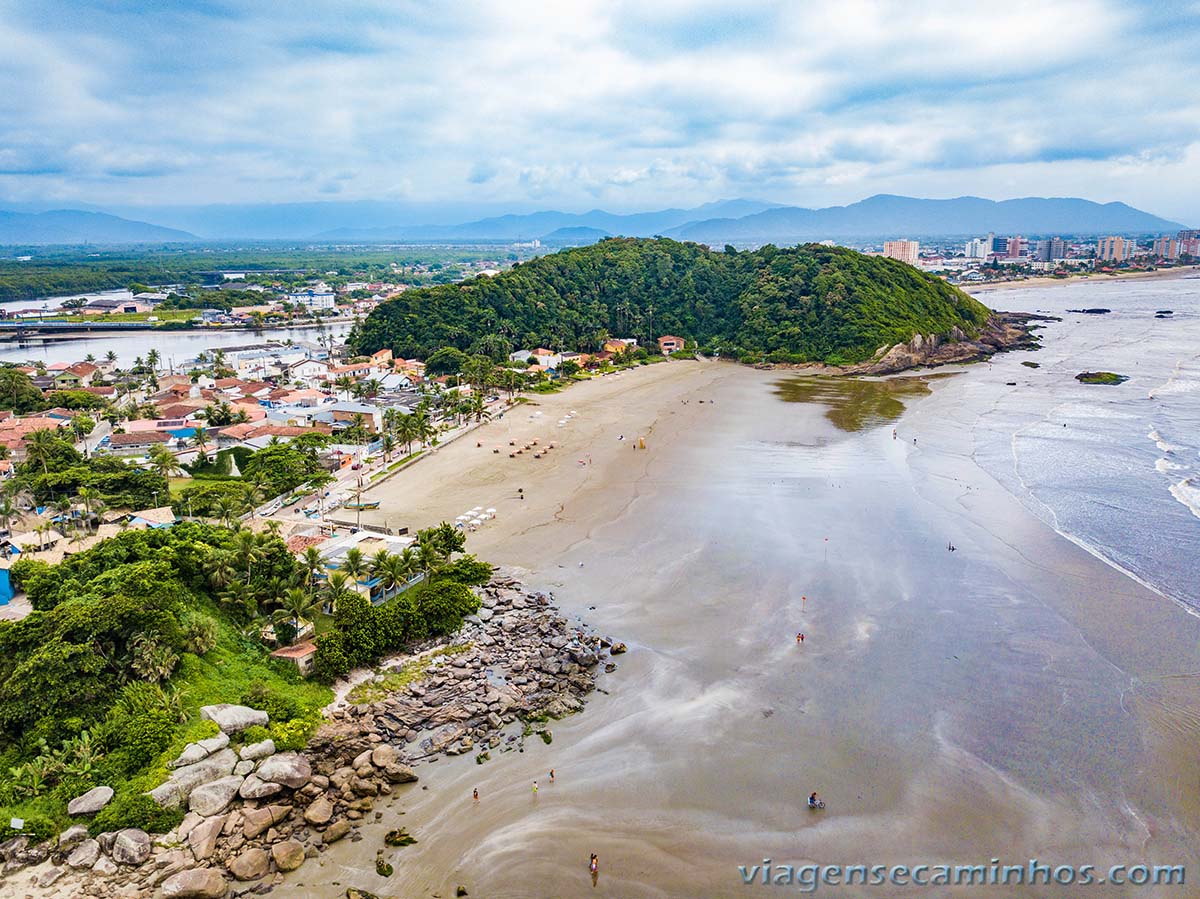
(995, 257)
(286, 436)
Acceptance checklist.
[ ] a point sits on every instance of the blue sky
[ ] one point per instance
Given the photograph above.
(574, 105)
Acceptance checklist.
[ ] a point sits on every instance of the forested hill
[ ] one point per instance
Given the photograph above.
(807, 303)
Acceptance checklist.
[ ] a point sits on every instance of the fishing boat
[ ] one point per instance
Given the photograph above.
(373, 504)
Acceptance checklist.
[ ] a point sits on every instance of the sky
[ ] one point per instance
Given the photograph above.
(576, 105)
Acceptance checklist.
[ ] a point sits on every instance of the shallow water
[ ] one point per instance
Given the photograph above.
(1013, 699)
(853, 404)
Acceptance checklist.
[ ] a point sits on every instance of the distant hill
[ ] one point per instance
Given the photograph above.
(71, 226)
(535, 224)
(888, 215)
(808, 303)
(576, 237)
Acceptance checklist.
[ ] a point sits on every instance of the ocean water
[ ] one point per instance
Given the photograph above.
(1114, 468)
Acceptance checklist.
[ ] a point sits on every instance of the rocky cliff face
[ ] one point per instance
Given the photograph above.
(1003, 331)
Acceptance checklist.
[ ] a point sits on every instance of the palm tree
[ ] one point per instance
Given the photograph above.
(313, 564)
(110, 357)
(39, 447)
(378, 561)
(478, 406)
(200, 439)
(88, 496)
(163, 461)
(429, 558)
(388, 444)
(240, 599)
(247, 549)
(353, 563)
(8, 511)
(337, 587)
(397, 570)
(152, 358)
(297, 607)
(226, 510)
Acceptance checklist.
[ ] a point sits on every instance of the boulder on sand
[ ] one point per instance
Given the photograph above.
(288, 855)
(196, 883)
(233, 719)
(84, 855)
(251, 864)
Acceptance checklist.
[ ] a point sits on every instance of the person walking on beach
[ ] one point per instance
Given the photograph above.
(551, 775)
(800, 638)
(594, 867)
(535, 788)
(475, 794)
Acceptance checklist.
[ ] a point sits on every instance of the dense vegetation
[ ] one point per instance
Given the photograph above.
(103, 682)
(54, 471)
(808, 303)
(55, 271)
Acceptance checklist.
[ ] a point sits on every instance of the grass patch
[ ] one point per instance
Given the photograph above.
(398, 678)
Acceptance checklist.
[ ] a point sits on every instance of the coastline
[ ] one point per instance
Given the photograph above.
(1045, 281)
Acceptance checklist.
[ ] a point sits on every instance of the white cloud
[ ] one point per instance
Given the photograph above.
(626, 104)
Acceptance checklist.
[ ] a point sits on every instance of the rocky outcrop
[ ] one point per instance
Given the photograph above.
(176, 790)
(90, 802)
(289, 769)
(1003, 331)
(214, 797)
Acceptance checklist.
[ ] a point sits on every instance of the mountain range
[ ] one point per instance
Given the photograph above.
(73, 226)
(738, 221)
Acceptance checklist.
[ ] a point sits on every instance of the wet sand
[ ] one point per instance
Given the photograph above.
(1016, 698)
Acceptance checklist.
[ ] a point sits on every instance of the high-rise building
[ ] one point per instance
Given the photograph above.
(1189, 246)
(979, 248)
(1189, 234)
(999, 244)
(1115, 249)
(1166, 248)
(904, 250)
(1050, 249)
(1013, 248)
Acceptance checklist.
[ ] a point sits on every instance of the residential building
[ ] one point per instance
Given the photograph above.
(333, 552)
(979, 248)
(668, 344)
(1115, 249)
(135, 443)
(1166, 248)
(346, 413)
(1189, 246)
(316, 298)
(302, 655)
(902, 250)
(1051, 249)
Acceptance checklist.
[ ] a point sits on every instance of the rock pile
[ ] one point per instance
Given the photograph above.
(254, 814)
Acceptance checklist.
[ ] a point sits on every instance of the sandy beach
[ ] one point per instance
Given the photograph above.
(1156, 275)
(1016, 698)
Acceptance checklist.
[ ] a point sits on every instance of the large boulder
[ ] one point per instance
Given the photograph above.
(196, 883)
(288, 855)
(176, 790)
(319, 811)
(250, 865)
(72, 835)
(202, 839)
(399, 774)
(90, 802)
(233, 719)
(213, 798)
(256, 820)
(288, 768)
(253, 787)
(84, 855)
(131, 847)
(384, 755)
(196, 752)
(260, 750)
(336, 831)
